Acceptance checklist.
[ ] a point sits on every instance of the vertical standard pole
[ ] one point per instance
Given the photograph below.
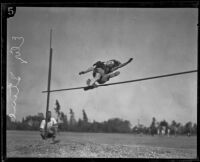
(49, 79)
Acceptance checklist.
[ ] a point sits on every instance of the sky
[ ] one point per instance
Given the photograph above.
(161, 41)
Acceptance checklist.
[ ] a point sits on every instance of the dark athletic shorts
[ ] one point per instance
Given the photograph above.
(102, 72)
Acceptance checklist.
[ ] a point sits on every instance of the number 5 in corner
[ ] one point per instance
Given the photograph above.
(11, 10)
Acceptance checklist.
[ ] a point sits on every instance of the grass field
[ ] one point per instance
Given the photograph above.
(100, 145)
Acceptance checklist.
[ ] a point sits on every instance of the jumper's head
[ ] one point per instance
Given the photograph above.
(109, 63)
(112, 63)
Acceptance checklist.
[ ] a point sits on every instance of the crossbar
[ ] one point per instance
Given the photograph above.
(129, 81)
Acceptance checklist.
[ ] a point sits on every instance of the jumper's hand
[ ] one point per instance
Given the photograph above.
(130, 60)
(82, 72)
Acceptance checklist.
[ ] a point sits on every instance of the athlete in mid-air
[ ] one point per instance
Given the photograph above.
(103, 71)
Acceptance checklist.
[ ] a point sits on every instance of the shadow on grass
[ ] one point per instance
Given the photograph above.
(56, 141)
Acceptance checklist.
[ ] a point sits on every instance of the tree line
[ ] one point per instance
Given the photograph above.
(81, 125)
(164, 128)
(113, 125)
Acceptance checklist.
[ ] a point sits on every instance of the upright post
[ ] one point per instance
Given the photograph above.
(49, 79)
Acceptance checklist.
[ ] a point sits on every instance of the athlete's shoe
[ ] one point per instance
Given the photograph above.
(130, 60)
(90, 87)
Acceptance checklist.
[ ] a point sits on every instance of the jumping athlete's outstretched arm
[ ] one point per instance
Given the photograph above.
(86, 71)
(122, 65)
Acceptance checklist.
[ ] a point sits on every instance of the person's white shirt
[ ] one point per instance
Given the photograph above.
(51, 123)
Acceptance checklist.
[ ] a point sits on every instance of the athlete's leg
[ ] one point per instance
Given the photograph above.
(91, 82)
(122, 65)
(54, 132)
(111, 75)
(42, 133)
(97, 74)
(106, 77)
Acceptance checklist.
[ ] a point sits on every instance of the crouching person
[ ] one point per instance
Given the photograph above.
(52, 127)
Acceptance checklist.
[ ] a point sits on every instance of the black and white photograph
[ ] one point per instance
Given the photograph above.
(101, 82)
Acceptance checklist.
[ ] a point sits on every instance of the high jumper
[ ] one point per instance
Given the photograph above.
(103, 71)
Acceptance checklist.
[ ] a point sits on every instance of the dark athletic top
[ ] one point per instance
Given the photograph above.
(98, 64)
(107, 69)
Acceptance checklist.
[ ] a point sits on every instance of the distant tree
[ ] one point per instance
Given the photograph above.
(41, 115)
(9, 123)
(180, 128)
(84, 123)
(188, 128)
(127, 126)
(58, 112)
(72, 121)
(95, 127)
(117, 125)
(80, 125)
(63, 122)
(158, 128)
(153, 126)
(164, 126)
(164, 123)
(145, 130)
(173, 127)
(194, 129)
(135, 130)
(23, 120)
(141, 128)
(85, 118)
(31, 122)
(61, 117)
